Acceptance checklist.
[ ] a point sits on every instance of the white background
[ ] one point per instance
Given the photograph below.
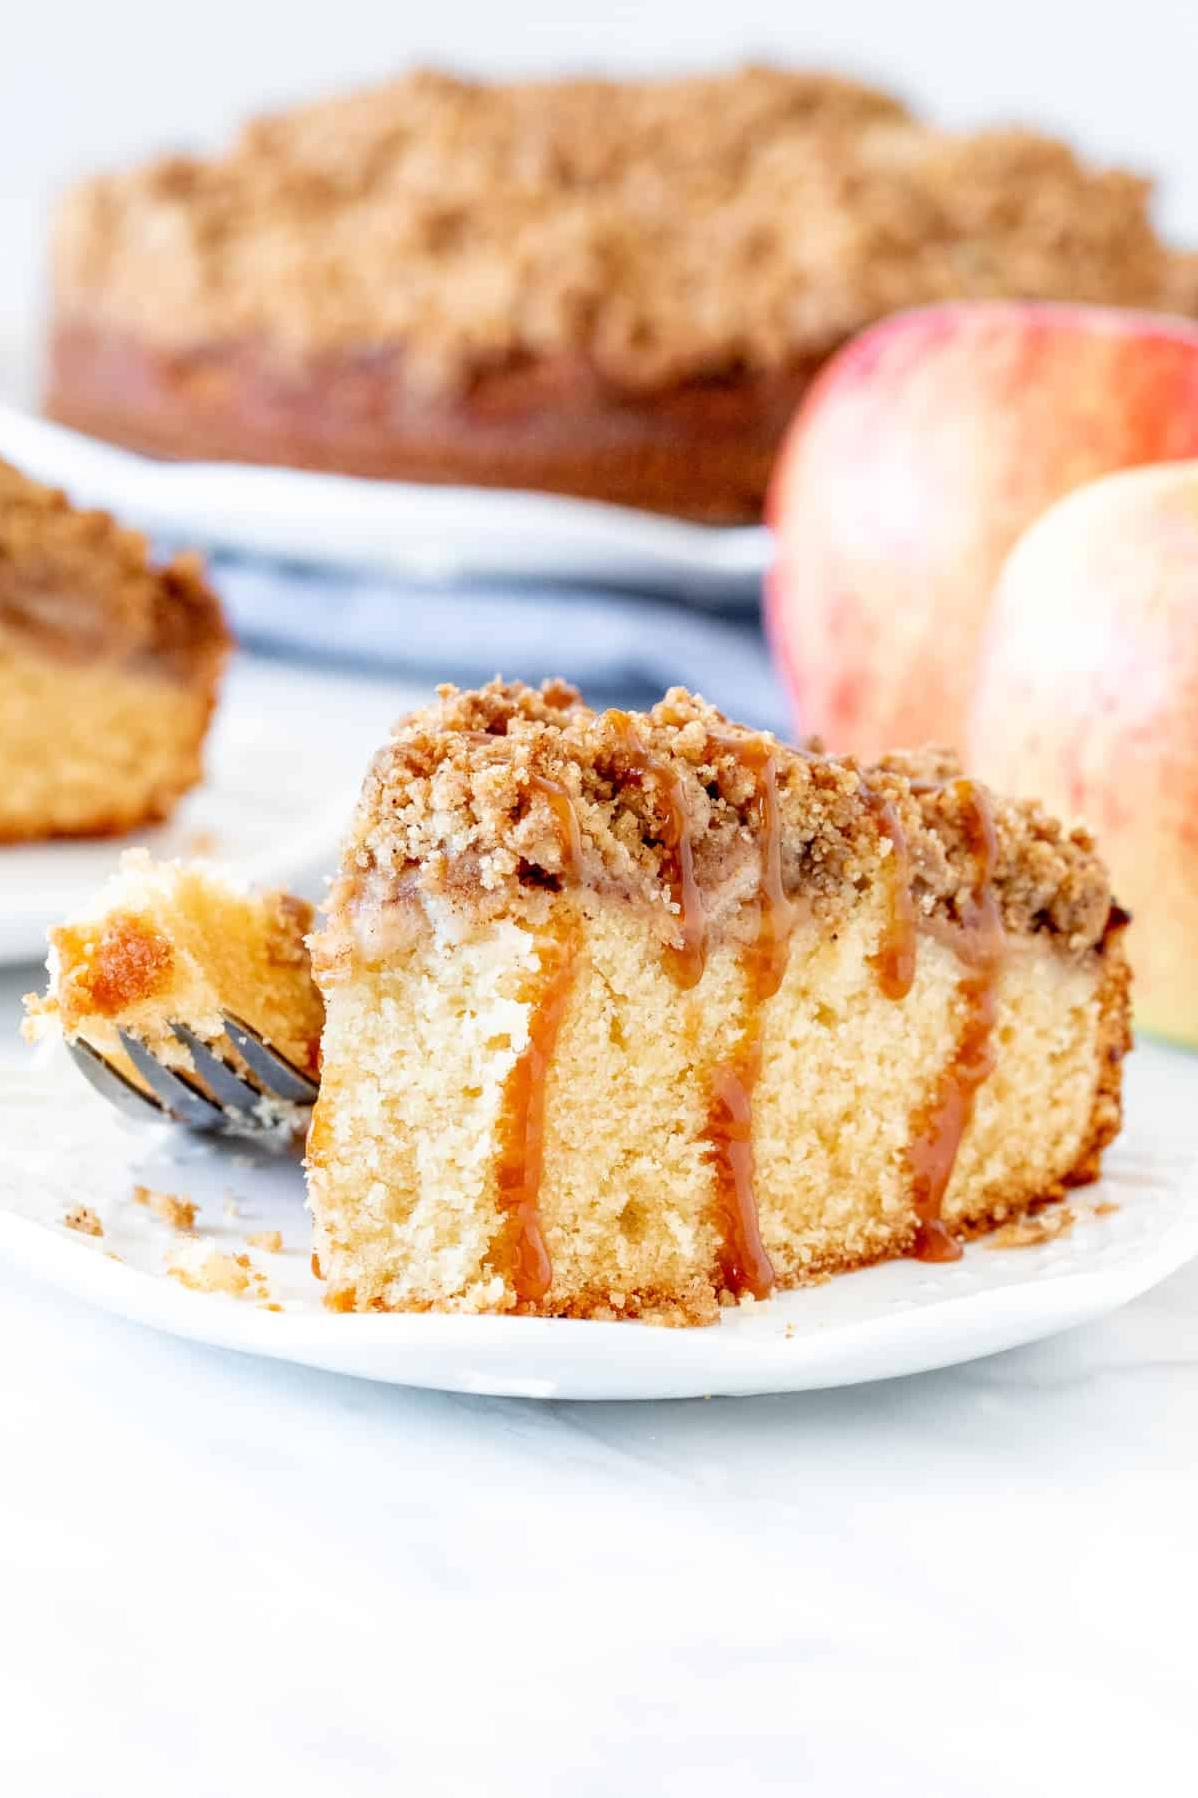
(221, 1577)
(92, 82)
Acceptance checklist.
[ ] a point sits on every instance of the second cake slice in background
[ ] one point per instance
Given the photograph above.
(109, 667)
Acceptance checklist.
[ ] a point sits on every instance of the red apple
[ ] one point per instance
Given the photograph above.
(919, 456)
(1088, 699)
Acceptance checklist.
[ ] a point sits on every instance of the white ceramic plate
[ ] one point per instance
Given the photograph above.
(392, 527)
(60, 1145)
(284, 763)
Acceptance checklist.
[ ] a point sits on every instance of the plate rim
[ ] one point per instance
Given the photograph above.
(751, 1366)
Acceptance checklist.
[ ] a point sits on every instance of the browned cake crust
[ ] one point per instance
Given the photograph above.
(94, 638)
(702, 449)
(1115, 1041)
(617, 290)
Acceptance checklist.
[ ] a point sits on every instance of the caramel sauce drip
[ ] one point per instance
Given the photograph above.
(521, 1154)
(744, 1264)
(766, 956)
(565, 818)
(686, 960)
(894, 961)
(937, 1129)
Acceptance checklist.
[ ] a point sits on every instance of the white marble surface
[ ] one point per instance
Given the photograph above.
(222, 1576)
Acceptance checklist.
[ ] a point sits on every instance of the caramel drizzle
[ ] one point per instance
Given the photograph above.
(765, 958)
(939, 1126)
(744, 1263)
(686, 960)
(894, 961)
(565, 819)
(520, 1158)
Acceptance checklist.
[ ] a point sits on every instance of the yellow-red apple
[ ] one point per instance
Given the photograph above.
(1087, 699)
(921, 453)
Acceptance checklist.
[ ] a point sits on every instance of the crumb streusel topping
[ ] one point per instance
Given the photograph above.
(666, 231)
(80, 584)
(455, 809)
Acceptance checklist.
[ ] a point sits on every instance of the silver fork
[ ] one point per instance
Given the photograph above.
(279, 1094)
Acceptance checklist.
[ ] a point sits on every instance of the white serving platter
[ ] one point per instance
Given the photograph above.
(60, 1146)
(393, 528)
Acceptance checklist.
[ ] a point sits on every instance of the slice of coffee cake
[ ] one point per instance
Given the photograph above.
(639, 1015)
(108, 670)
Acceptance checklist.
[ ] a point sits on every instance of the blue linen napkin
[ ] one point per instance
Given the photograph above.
(619, 648)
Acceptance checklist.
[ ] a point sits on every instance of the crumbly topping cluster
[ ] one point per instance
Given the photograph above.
(455, 808)
(666, 231)
(80, 584)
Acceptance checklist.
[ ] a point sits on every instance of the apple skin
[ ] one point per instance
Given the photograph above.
(920, 454)
(1088, 699)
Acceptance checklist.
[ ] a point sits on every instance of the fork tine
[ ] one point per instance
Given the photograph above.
(179, 1096)
(117, 1088)
(279, 1076)
(227, 1087)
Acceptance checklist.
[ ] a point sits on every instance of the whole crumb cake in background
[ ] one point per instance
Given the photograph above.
(611, 289)
(179, 943)
(109, 669)
(641, 1015)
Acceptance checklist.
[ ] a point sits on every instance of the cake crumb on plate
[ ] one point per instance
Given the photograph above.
(1029, 1232)
(83, 1219)
(205, 1269)
(270, 1240)
(168, 1207)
